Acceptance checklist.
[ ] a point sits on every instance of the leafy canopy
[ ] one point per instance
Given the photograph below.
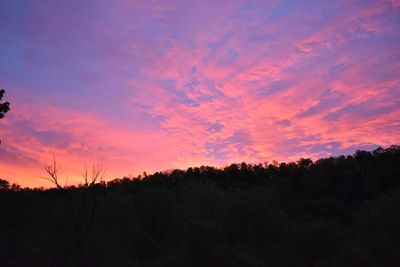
(4, 107)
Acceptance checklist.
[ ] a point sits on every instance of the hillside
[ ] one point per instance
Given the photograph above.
(338, 211)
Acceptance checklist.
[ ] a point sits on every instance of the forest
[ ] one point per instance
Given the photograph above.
(336, 211)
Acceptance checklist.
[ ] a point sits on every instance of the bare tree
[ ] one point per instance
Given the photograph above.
(52, 171)
(97, 174)
(82, 200)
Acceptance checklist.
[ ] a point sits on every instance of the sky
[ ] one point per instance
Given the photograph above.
(157, 85)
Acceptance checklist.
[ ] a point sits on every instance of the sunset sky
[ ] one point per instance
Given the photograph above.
(156, 85)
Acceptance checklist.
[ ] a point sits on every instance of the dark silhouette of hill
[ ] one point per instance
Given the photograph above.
(337, 211)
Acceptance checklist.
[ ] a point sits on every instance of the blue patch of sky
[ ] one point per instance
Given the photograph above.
(283, 9)
(274, 88)
(362, 110)
(179, 96)
(240, 140)
(331, 148)
(326, 100)
(215, 127)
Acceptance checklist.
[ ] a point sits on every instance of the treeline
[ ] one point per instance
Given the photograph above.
(337, 211)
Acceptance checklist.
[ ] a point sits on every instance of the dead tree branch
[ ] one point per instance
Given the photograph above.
(52, 171)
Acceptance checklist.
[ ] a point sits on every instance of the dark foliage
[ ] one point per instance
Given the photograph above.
(338, 211)
(4, 107)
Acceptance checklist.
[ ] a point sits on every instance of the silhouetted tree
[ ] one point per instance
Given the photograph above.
(4, 107)
(82, 202)
(4, 184)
